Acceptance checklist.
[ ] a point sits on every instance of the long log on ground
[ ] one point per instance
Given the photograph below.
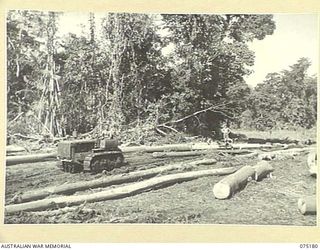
(191, 147)
(11, 160)
(63, 211)
(196, 153)
(250, 155)
(115, 193)
(271, 140)
(262, 170)
(178, 154)
(284, 153)
(231, 184)
(71, 188)
(169, 147)
(11, 149)
(307, 205)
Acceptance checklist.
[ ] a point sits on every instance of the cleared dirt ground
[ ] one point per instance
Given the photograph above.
(272, 201)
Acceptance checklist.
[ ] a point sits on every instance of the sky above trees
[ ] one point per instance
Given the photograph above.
(296, 36)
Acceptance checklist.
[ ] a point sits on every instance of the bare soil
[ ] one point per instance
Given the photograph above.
(272, 201)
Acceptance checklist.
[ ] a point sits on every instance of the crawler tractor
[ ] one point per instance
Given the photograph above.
(89, 155)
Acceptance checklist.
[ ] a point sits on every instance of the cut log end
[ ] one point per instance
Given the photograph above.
(221, 191)
(307, 206)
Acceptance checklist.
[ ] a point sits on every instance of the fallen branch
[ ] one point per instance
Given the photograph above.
(161, 132)
(168, 127)
(26, 137)
(115, 193)
(16, 118)
(212, 108)
(71, 188)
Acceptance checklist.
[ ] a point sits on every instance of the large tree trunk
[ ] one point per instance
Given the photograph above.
(11, 160)
(307, 205)
(231, 184)
(115, 193)
(71, 188)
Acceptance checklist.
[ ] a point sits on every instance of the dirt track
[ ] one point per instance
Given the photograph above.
(269, 202)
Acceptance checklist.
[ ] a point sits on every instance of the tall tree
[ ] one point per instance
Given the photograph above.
(285, 99)
(49, 103)
(212, 58)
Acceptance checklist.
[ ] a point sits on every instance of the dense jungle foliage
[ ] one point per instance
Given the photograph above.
(117, 78)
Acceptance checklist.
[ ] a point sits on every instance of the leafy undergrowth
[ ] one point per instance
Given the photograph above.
(272, 201)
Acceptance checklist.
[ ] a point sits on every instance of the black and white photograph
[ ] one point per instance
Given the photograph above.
(161, 118)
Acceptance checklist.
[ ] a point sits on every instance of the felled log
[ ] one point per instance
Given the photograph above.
(63, 211)
(251, 146)
(115, 193)
(196, 153)
(191, 147)
(271, 140)
(262, 170)
(157, 148)
(231, 184)
(249, 155)
(288, 153)
(11, 160)
(307, 205)
(71, 188)
(178, 154)
(169, 147)
(11, 149)
(312, 163)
